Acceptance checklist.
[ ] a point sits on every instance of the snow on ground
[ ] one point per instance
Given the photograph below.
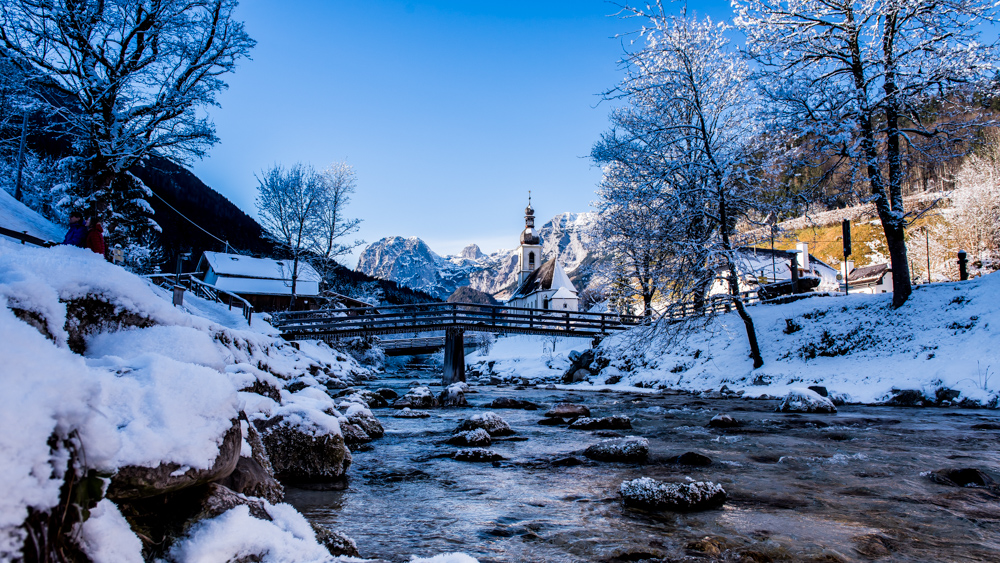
(160, 388)
(944, 336)
(528, 356)
(16, 216)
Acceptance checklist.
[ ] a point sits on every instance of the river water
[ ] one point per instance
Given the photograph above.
(843, 487)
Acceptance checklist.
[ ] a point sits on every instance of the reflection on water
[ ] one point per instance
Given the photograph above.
(843, 487)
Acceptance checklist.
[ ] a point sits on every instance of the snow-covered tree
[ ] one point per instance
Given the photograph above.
(125, 78)
(681, 162)
(864, 87)
(289, 205)
(337, 183)
(976, 204)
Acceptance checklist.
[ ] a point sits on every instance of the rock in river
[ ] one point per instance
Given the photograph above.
(477, 438)
(632, 449)
(723, 421)
(691, 459)
(407, 412)
(417, 398)
(508, 403)
(488, 421)
(680, 497)
(454, 395)
(964, 477)
(616, 422)
(567, 410)
(477, 454)
(806, 400)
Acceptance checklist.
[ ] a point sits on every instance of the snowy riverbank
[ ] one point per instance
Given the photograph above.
(944, 337)
(112, 396)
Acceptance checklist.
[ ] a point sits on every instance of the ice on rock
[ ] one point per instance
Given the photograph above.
(655, 495)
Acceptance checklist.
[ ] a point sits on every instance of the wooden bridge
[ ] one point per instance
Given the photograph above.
(453, 318)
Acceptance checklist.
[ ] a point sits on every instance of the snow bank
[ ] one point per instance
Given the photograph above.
(163, 391)
(944, 336)
(529, 357)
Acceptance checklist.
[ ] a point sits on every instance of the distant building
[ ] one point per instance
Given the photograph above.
(876, 278)
(540, 286)
(264, 282)
(757, 266)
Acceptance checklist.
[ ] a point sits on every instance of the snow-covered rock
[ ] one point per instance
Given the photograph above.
(477, 438)
(477, 454)
(682, 497)
(631, 449)
(567, 410)
(488, 421)
(454, 395)
(417, 398)
(806, 400)
(616, 422)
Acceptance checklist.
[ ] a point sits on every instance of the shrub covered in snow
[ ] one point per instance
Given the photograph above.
(653, 495)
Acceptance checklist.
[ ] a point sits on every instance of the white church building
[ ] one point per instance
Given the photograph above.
(540, 286)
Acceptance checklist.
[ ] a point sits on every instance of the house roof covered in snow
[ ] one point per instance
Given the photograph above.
(548, 277)
(868, 274)
(237, 265)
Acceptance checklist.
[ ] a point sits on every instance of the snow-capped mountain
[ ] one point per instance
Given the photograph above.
(410, 262)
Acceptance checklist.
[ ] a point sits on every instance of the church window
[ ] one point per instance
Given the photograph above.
(531, 260)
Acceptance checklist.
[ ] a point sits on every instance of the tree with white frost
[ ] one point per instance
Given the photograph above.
(976, 206)
(338, 183)
(865, 87)
(681, 158)
(289, 204)
(125, 78)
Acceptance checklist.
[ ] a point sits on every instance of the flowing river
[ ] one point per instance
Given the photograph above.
(842, 487)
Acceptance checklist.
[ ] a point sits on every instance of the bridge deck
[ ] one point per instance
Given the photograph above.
(404, 319)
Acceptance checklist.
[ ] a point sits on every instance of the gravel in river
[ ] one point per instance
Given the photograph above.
(840, 487)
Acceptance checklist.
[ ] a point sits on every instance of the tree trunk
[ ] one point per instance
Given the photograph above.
(758, 361)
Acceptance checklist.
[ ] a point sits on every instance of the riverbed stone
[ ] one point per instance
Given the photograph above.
(454, 396)
(477, 455)
(366, 421)
(353, 435)
(556, 421)
(251, 479)
(488, 421)
(335, 541)
(616, 422)
(368, 399)
(806, 400)
(907, 398)
(302, 455)
(723, 421)
(691, 459)
(477, 438)
(387, 394)
(962, 477)
(218, 499)
(417, 398)
(135, 482)
(510, 403)
(651, 494)
(819, 389)
(407, 412)
(632, 449)
(567, 410)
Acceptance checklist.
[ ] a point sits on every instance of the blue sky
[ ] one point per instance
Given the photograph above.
(449, 111)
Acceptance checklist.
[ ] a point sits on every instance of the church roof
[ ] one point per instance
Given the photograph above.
(549, 276)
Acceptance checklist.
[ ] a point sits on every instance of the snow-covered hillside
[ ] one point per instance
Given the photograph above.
(410, 262)
(942, 344)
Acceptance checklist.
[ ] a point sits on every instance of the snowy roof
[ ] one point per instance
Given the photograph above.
(255, 286)
(549, 276)
(564, 293)
(16, 216)
(236, 265)
(868, 274)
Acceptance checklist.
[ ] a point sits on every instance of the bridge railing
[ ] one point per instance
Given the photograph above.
(435, 316)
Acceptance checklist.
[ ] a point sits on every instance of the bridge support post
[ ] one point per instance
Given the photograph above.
(454, 356)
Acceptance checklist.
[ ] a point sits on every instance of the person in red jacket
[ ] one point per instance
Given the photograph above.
(95, 236)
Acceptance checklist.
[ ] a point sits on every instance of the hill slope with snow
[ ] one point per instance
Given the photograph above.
(16, 216)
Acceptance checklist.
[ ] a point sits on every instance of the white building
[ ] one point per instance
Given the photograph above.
(265, 283)
(876, 278)
(540, 286)
(756, 265)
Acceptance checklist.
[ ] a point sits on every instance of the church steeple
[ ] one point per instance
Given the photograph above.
(528, 235)
(531, 244)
